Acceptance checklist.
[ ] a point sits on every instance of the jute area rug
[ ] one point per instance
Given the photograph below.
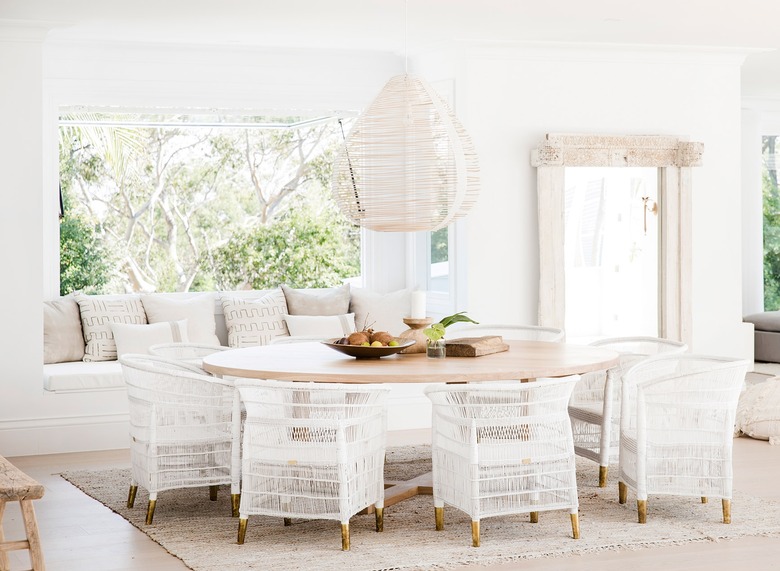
(203, 535)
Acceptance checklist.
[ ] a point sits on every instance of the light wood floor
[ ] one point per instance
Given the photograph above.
(79, 534)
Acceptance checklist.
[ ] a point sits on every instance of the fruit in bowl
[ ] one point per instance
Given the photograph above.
(368, 338)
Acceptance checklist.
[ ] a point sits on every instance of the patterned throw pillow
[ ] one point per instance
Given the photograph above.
(98, 312)
(255, 321)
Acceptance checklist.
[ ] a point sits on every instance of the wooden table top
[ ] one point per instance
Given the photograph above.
(313, 361)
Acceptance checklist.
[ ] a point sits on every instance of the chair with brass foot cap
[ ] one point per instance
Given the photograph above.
(503, 448)
(676, 428)
(182, 429)
(312, 451)
(594, 407)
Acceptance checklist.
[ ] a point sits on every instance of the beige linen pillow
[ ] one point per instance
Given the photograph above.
(326, 301)
(381, 311)
(63, 339)
(98, 312)
(323, 326)
(198, 311)
(254, 321)
(131, 338)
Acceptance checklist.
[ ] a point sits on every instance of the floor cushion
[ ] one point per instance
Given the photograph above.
(758, 411)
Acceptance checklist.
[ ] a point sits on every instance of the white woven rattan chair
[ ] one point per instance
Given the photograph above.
(313, 451)
(510, 332)
(595, 403)
(676, 428)
(183, 429)
(187, 352)
(503, 449)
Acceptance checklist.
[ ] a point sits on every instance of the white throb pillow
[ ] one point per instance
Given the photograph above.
(198, 311)
(324, 326)
(255, 321)
(381, 311)
(317, 301)
(132, 338)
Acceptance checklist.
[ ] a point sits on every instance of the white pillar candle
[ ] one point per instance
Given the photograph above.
(418, 310)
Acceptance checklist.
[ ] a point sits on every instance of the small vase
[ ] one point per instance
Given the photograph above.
(436, 349)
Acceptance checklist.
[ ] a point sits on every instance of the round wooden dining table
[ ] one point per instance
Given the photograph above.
(313, 361)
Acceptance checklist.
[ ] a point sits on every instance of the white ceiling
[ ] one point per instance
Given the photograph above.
(380, 24)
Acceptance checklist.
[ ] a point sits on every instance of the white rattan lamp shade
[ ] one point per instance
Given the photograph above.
(408, 164)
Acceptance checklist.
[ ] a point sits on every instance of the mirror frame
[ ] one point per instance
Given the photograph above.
(674, 159)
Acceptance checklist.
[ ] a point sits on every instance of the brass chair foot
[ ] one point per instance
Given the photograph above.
(641, 510)
(704, 499)
(726, 510)
(131, 496)
(475, 533)
(287, 522)
(439, 518)
(603, 476)
(622, 492)
(242, 522)
(379, 516)
(213, 493)
(150, 511)
(534, 517)
(235, 504)
(345, 536)
(575, 526)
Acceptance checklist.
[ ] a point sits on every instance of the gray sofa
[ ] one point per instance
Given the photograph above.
(767, 335)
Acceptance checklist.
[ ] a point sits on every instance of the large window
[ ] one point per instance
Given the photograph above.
(180, 203)
(771, 223)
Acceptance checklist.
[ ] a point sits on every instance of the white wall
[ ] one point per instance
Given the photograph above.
(510, 97)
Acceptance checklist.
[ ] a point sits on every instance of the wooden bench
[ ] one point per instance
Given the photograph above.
(16, 486)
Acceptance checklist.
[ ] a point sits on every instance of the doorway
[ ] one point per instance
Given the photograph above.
(610, 252)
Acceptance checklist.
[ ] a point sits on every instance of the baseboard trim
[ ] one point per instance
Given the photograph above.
(33, 436)
(87, 433)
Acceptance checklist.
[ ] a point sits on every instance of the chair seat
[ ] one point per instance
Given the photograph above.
(591, 414)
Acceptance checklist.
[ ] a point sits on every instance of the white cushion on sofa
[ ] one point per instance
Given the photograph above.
(320, 326)
(63, 340)
(381, 311)
(131, 338)
(197, 310)
(80, 376)
(317, 301)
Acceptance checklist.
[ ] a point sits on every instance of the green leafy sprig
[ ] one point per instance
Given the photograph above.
(436, 330)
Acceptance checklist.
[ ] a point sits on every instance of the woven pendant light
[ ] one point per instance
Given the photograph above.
(408, 164)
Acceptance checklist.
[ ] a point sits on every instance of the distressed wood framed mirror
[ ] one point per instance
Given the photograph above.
(646, 219)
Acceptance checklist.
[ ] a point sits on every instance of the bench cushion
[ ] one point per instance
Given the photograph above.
(81, 376)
